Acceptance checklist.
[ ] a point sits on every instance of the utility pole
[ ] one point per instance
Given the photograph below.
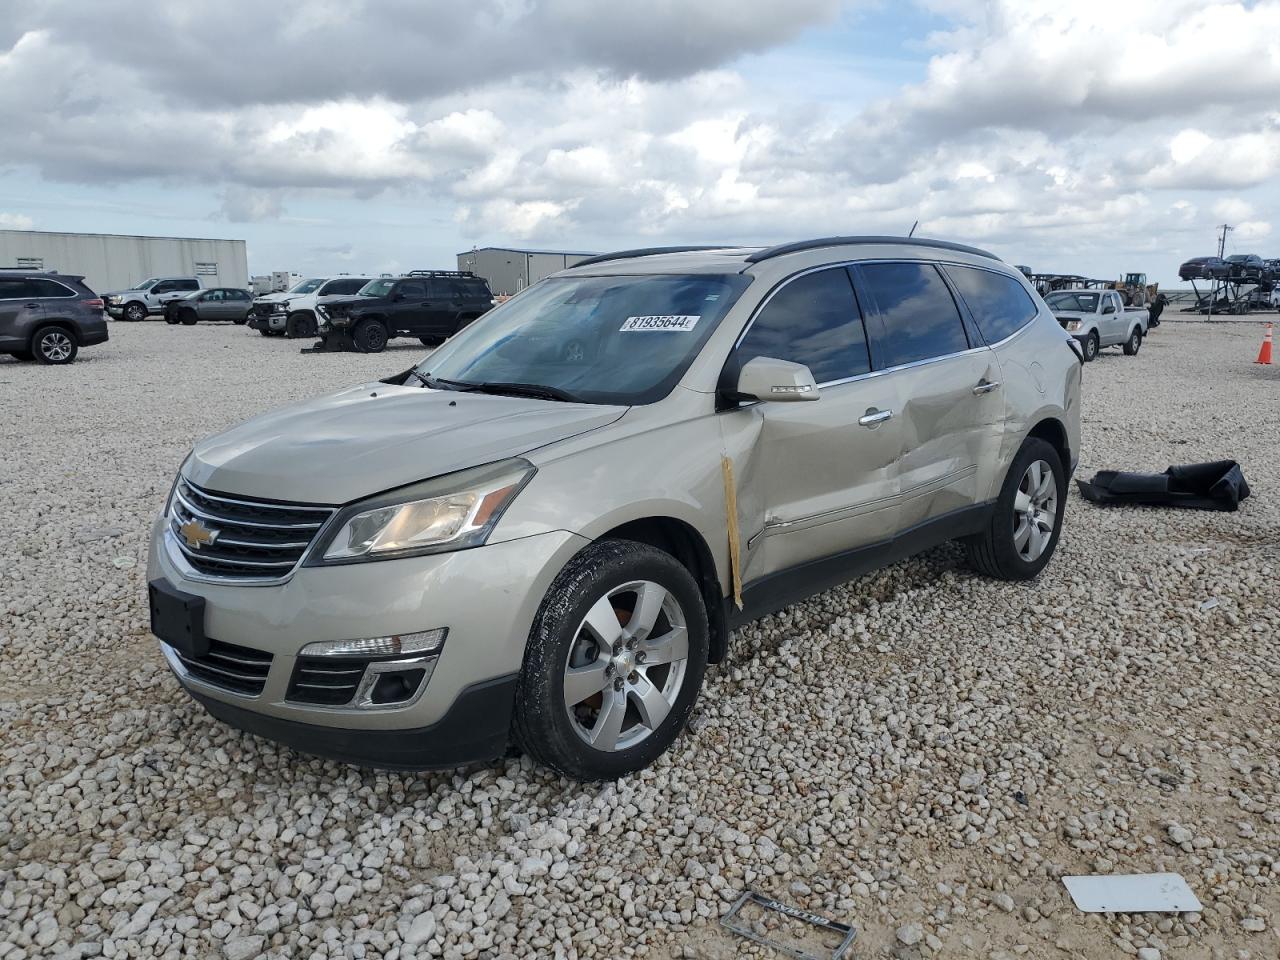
(1222, 240)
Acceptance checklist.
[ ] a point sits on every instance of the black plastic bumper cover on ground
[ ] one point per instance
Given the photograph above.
(1219, 485)
(476, 728)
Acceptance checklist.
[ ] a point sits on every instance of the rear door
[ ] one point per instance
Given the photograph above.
(443, 304)
(237, 303)
(409, 308)
(19, 313)
(951, 416)
(825, 474)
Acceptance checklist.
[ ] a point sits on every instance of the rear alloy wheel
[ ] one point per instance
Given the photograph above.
(1026, 519)
(54, 345)
(1134, 343)
(135, 311)
(614, 662)
(300, 325)
(370, 336)
(1091, 347)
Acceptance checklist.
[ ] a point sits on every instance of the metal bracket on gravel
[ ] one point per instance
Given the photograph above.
(732, 921)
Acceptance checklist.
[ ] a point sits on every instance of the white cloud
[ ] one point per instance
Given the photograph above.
(15, 221)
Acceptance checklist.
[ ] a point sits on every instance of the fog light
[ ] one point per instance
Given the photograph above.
(396, 687)
(426, 641)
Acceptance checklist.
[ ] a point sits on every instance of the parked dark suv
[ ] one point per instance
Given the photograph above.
(48, 316)
(431, 305)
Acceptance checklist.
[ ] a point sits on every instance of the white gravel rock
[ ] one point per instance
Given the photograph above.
(921, 750)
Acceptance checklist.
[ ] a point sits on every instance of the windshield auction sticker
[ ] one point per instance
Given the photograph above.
(668, 323)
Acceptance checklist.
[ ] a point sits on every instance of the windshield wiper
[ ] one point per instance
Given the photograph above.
(541, 391)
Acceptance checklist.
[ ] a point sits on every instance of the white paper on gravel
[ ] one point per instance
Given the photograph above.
(1132, 893)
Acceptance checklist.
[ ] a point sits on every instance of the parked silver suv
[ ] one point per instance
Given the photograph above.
(544, 532)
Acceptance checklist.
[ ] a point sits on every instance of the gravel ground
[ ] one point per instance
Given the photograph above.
(922, 753)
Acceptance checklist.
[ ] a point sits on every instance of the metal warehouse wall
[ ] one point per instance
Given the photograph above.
(116, 262)
(510, 271)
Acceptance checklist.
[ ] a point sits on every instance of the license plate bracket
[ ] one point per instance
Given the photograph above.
(177, 618)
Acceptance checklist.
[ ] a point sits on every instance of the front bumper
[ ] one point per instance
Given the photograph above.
(487, 597)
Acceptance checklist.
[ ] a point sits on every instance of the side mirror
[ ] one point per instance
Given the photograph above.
(770, 379)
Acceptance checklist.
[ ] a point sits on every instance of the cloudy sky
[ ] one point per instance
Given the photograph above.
(1090, 136)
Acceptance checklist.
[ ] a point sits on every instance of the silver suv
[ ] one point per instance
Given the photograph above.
(542, 534)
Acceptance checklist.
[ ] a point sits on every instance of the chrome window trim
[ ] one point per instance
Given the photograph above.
(845, 264)
(70, 293)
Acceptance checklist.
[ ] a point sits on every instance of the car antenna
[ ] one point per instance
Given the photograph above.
(913, 229)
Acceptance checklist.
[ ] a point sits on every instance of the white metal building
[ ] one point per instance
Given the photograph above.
(116, 262)
(509, 271)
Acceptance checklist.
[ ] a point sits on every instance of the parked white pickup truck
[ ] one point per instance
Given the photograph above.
(1099, 318)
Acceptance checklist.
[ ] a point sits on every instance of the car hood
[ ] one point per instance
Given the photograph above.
(272, 297)
(375, 437)
(1073, 314)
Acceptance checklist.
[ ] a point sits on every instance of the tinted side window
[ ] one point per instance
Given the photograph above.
(342, 287)
(920, 317)
(237, 295)
(812, 320)
(165, 286)
(998, 303)
(413, 290)
(47, 288)
(475, 289)
(186, 285)
(15, 290)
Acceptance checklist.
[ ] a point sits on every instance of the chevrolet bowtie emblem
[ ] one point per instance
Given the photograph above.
(197, 534)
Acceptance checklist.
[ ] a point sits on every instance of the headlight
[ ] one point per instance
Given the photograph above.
(1073, 324)
(452, 512)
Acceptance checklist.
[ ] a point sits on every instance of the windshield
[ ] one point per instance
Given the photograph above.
(306, 286)
(623, 340)
(147, 284)
(1072, 300)
(377, 288)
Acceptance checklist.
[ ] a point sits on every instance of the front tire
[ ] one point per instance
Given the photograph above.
(1026, 520)
(54, 346)
(134, 312)
(188, 317)
(300, 325)
(614, 662)
(370, 336)
(1091, 347)
(1133, 344)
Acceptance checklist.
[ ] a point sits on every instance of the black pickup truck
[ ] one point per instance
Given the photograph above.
(431, 305)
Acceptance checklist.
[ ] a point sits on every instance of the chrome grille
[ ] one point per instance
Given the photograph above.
(255, 539)
(233, 667)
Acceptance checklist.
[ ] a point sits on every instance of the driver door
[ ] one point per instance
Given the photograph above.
(821, 478)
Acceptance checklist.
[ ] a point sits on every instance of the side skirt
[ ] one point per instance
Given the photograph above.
(777, 590)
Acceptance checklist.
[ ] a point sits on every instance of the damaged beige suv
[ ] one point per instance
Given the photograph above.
(542, 534)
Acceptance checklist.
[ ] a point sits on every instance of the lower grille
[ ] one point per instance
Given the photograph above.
(232, 667)
(325, 680)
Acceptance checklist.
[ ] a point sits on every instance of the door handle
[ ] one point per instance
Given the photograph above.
(31, 306)
(985, 386)
(873, 417)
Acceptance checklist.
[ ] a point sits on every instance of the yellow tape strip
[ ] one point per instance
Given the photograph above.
(731, 512)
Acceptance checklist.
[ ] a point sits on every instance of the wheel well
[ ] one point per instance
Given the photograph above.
(64, 325)
(1055, 434)
(685, 544)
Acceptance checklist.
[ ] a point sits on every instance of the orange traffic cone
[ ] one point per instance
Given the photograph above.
(1264, 355)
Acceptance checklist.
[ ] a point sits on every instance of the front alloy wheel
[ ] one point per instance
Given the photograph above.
(614, 662)
(627, 665)
(135, 312)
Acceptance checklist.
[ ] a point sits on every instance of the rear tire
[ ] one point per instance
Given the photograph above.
(1028, 502)
(431, 341)
(370, 336)
(54, 346)
(1134, 343)
(664, 658)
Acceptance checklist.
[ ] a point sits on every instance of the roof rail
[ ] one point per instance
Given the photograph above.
(644, 252)
(439, 273)
(799, 245)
